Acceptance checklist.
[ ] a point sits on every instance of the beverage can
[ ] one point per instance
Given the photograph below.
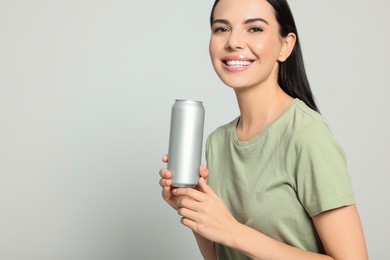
(185, 142)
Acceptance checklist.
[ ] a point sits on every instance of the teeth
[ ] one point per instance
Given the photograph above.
(238, 63)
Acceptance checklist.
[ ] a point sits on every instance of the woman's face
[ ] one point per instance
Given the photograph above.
(245, 45)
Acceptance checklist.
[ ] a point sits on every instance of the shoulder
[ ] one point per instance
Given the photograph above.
(306, 124)
(303, 116)
(312, 136)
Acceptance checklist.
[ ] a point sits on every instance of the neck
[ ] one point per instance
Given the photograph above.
(259, 107)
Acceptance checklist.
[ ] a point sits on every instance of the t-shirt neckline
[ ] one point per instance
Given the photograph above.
(264, 131)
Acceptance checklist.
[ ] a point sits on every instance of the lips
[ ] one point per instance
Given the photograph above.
(236, 63)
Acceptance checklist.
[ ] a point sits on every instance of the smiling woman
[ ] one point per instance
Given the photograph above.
(292, 75)
(277, 183)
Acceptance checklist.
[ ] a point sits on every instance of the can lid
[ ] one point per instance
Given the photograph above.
(188, 100)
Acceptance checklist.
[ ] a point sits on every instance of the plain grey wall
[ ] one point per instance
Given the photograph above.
(86, 89)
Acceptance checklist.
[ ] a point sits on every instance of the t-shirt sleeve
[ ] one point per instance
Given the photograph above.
(320, 172)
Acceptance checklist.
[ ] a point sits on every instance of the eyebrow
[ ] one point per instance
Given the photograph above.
(250, 20)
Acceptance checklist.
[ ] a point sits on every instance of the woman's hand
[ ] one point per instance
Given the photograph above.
(204, 213)
(166, 183)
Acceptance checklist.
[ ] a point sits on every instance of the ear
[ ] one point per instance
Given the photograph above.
(288, 43)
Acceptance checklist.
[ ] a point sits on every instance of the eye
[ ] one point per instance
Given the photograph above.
(255, 29)
(220, 30)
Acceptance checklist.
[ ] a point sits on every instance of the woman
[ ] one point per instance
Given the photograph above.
(278, 186)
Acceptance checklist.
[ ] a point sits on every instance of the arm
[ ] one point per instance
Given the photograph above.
(206, 247)
(259, 246)
(206, 215)
(339, 229)
(341, 233)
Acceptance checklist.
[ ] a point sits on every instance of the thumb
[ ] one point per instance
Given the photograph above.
(206, 188)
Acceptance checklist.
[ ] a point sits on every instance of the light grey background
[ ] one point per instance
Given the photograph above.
(86, 89)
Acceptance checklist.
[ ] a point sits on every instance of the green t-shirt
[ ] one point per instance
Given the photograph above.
(291, 171)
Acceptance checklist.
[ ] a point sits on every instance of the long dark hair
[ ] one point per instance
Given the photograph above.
(292, 74)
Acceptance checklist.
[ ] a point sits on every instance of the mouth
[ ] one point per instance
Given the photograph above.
(237, 63)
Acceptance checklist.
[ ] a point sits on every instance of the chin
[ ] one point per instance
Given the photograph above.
(236, 83)
(237, 86)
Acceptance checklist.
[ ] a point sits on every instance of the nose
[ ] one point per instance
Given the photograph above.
(235, 42)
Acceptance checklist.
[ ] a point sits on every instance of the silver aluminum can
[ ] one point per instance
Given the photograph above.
(185, 142)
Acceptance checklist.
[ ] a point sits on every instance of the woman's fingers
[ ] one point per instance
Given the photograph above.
(188, 213)
(190, 193)
(166, 193)
(189, 223)
(165, 182)
(165, 173)
(203, 171)
(184, 202)
(206, 188)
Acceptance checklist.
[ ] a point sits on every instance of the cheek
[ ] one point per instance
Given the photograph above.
(213, 49)
(256, 45)
(266, 48)
(260, 49)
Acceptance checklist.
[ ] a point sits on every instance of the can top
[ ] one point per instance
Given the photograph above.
(188, 100)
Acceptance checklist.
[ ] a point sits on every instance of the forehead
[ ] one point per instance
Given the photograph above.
(235, 10)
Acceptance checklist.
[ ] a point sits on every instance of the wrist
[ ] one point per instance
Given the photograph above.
(236, 235)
